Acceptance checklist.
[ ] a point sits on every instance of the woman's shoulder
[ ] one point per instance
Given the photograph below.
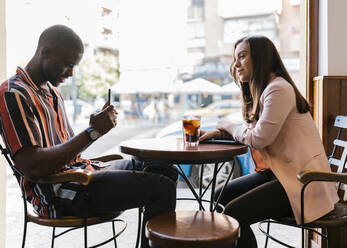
(279, 84)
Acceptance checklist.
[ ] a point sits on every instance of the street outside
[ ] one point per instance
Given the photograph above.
(39, 236)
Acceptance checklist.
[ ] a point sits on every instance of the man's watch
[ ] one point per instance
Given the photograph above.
(93, 134)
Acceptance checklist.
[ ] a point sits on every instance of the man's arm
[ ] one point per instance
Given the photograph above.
(37, 162)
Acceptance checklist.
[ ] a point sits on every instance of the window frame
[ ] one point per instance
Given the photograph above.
(311, 19)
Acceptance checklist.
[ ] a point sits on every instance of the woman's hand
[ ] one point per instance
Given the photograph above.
(216, 134)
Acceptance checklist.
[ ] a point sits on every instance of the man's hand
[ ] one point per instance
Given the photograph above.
(38, 162)
(216, 134)
(105, 120)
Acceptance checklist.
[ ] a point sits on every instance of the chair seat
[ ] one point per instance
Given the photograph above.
(190, 229)
(336, 218)
(70, 221)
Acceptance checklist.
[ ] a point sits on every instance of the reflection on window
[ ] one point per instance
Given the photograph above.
(196, 10)
(146, 57)
(236, 28)
(294, 2)
(195, 30)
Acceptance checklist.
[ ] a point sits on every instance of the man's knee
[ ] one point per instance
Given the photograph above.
(169, 171)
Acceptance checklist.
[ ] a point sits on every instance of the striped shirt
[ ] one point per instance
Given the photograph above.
(36, 117)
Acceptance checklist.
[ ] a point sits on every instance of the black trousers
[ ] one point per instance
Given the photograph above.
(253, 198)
(122, 185)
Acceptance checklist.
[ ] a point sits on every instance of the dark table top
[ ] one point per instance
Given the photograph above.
(172, 149)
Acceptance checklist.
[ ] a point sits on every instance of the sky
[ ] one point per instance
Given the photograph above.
(26, 19)
(152, 31)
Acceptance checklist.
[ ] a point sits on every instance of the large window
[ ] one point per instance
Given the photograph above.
(149, 51)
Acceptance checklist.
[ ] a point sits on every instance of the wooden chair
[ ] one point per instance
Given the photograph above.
(338, 217)
(192, 229)
(70, 222)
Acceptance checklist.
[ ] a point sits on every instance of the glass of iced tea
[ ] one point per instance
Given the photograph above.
(191, 130)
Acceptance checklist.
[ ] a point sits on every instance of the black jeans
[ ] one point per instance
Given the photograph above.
(253, 198)
(119, 186)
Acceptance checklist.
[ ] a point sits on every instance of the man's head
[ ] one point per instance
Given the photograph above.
(58, 51)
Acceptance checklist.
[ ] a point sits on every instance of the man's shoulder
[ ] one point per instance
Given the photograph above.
(3, 87)
(14, 83)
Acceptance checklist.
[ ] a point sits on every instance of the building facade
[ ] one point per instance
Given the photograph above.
(214, 26)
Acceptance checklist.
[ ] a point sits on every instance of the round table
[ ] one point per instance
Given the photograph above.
(172, 150)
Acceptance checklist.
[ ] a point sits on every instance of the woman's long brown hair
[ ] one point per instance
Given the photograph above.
(265, 60)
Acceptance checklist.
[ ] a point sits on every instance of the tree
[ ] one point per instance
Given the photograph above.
(97, 73)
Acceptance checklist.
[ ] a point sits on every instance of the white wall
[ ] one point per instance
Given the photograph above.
(2, 161)
(332, 37)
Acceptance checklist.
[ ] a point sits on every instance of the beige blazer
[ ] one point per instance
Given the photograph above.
(289, 142)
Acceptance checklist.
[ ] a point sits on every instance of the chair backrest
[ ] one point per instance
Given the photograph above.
(340, 150)
(6, 153)
(10, 162)
(15, 171)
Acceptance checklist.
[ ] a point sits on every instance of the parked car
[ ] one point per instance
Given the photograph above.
(217, 109)
(243, 163)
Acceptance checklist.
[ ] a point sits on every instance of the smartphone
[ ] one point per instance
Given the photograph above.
(109, 96)
(216, 141)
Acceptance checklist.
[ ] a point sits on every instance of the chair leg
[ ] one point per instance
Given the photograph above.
(85, 234)
(335, 237)
(114, 234)
(139, 228)
(302, 236)
(53, 237)
(267, 231)
(24, 233)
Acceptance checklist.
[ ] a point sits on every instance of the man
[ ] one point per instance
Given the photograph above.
(41, 141)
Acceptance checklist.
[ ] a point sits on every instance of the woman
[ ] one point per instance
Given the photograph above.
(283, 140)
